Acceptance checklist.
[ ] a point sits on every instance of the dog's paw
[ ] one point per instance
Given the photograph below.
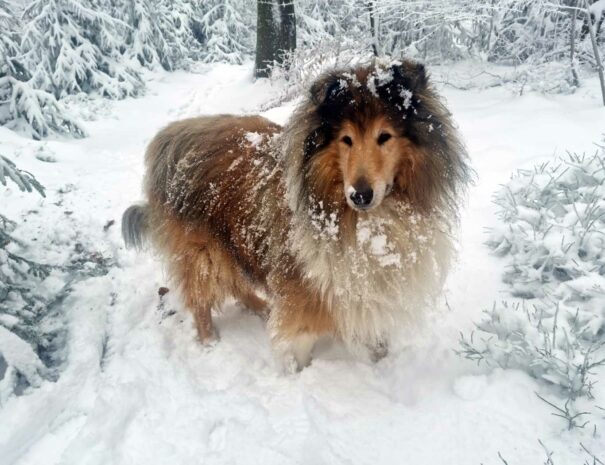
(288, 365)
(210, 340)
(294, 354)
(378, 351)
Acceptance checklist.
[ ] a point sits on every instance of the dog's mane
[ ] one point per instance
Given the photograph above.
(399, 91)
(338, 249)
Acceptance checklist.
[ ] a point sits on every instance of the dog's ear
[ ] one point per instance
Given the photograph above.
(329, 90)
(401, 92)
(413, 75)
(314, 142)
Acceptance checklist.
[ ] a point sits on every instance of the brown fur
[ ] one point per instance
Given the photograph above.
(229, 197)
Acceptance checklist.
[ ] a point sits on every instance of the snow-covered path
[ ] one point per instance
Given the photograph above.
(138, 387)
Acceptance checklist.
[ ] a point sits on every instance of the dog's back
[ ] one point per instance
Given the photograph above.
(187, 156)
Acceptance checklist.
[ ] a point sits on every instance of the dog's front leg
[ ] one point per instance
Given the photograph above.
(293, 353)
(298, 318)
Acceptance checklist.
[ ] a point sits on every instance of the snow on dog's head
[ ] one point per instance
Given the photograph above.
(373, 133)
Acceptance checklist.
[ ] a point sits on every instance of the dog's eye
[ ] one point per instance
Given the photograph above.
(347, 140)
(382, 138)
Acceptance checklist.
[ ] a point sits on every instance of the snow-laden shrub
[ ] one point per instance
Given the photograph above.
(553, 239)
(546, 340)
(554, 223)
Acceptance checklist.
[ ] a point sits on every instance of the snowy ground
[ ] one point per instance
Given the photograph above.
(138, 387)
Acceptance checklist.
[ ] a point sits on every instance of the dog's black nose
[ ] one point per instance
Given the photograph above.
(362, 197)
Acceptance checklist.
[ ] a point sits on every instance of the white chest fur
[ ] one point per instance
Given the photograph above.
(383, 278)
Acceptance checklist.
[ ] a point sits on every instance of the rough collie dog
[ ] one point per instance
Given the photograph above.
(342, 218)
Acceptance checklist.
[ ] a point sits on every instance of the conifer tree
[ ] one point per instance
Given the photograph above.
(22, 106)
(227, 28)
(69, 46)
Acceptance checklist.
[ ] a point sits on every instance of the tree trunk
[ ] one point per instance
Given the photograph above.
(287, 29)
(585, 24)
(265, 38)
(572, 46)
(491, 28)
(373, 27)
(595, 47)
(275, 36)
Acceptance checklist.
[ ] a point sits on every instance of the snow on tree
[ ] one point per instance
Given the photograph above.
(227, 30)
(33, 323)
(542, 38)
(340, 21)
(23, 107)
(64, 47)
(69, 46)
(25, 181)
(508, 31)
(161, 32)
(145, 39)
(9, 41)
(529, 30)
(20, 306)
(179, 20)
(597, 15)
(424, 29)
(329, 33)
(275, 35)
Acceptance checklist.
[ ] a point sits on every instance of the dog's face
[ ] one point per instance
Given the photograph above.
(369, 159)
(371, 140)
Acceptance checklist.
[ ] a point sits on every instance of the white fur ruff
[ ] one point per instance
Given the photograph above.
(384, 278)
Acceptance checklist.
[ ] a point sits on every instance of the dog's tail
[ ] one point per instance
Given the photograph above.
(135, 225)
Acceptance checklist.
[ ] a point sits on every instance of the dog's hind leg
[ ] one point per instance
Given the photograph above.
(202, 314)
(200, 284)
(205, 328)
